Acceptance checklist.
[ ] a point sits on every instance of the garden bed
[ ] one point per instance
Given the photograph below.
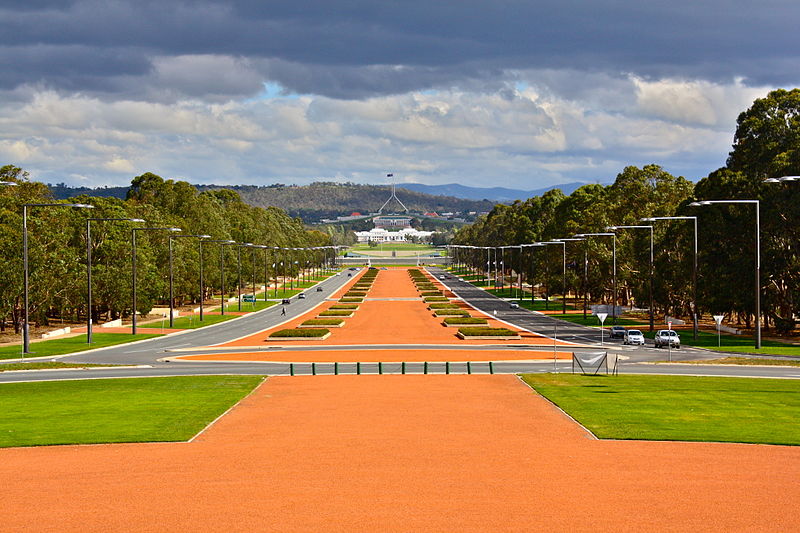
(296, 334)
(499, 334)
(430, 299)
(345, 313)
(434, 307)
(351, 300)
(352, 307)
(451, 312)
(460, 321)
(322, 323)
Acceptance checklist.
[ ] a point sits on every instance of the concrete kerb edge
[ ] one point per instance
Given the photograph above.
(267, 309)
(493, 317)
(563, 412)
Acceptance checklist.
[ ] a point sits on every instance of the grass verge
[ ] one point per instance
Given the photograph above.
(685, 408)
(747, 361)
(49, 365)
(72, 344)
(115, 410)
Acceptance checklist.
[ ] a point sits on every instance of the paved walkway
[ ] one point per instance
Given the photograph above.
(400, 453)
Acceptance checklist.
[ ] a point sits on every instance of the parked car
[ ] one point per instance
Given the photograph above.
(617, 332)
(666, 337)
(633, 336)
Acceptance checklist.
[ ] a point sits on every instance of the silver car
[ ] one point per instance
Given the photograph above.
(633, 336)
(667, 337)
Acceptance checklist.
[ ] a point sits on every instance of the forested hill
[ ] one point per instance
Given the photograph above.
(318, 200)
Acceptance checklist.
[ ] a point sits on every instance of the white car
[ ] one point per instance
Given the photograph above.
(667, 337)
(633, 336)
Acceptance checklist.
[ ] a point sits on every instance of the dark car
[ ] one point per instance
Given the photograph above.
(617, 332)
(319, 289)
(286, 301)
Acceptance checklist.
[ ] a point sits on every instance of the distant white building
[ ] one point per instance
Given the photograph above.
(383, 235)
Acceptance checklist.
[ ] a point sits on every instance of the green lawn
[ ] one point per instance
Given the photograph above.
(749, 361)
(678, 407)
(393, 246)
(734, 343)
(115, 410)
(72, 344)
(49, 365)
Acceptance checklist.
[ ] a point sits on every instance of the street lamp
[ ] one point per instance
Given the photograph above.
(11, 183)
(222, 244)
(133, 267)
(25, 332)
(782, 179)
(614, 228)
(694, 265)
(239, 263)
(565, 241)
(89, 268)
(614, 261)
(171, 283)
(757, 204)
(564, 271)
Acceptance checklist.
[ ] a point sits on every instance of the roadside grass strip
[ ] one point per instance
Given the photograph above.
(683, 408)
(115, 410)
(734, 343)
(72, 344)
(48, 365)
(748, 361)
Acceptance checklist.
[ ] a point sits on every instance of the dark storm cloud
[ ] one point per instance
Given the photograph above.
(352, 49)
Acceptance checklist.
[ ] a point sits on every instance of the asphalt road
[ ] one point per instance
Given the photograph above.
(145, 358)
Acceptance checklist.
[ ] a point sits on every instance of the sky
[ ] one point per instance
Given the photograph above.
(515, 93)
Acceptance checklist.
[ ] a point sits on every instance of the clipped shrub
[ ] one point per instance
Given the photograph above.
(432, 293)
(430, 299)
(351, 300)
(355, 294)
(465, 320)
(323, 322)
(337, 312)
(487, 332)
(433, 307)
(344, 306)
(299, 333)
(451, 312)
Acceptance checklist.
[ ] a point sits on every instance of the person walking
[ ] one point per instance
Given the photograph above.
(283, 311)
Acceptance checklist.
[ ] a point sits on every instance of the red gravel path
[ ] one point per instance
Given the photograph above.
(400, 453)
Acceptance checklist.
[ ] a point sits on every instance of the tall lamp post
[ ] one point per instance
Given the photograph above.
(222, 244)
(757, 205)
(694, 266)
(239, 263)
(26, 299)
(614, 262)
(565, 241)
(563, 271)
(133, 268)
(89, 268)
(171, 277)
(614, 228)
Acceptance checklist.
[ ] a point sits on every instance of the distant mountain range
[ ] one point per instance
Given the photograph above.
(328, 200)
(493, 194)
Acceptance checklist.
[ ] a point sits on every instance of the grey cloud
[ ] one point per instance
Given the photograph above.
(351, 49)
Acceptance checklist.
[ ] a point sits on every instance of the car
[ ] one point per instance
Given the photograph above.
(442, 277)
(319, 289)
(633, 336)
(301, 296)
(617, 332)
(286, 301)
(514, 305)
(667, 337)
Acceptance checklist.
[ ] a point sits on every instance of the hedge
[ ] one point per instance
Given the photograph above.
(464, 320)
(487, 332)
(343, 312)
(436, 299)
(432, 293)
(344, 306)
(451, 312)
(323, 322)
(351, 300)
(433, 307)
(300, 333)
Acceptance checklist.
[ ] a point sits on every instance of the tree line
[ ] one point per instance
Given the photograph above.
(57, 247)
(766, 145)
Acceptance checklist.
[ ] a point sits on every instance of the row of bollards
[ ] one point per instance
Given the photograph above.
(405, 367)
